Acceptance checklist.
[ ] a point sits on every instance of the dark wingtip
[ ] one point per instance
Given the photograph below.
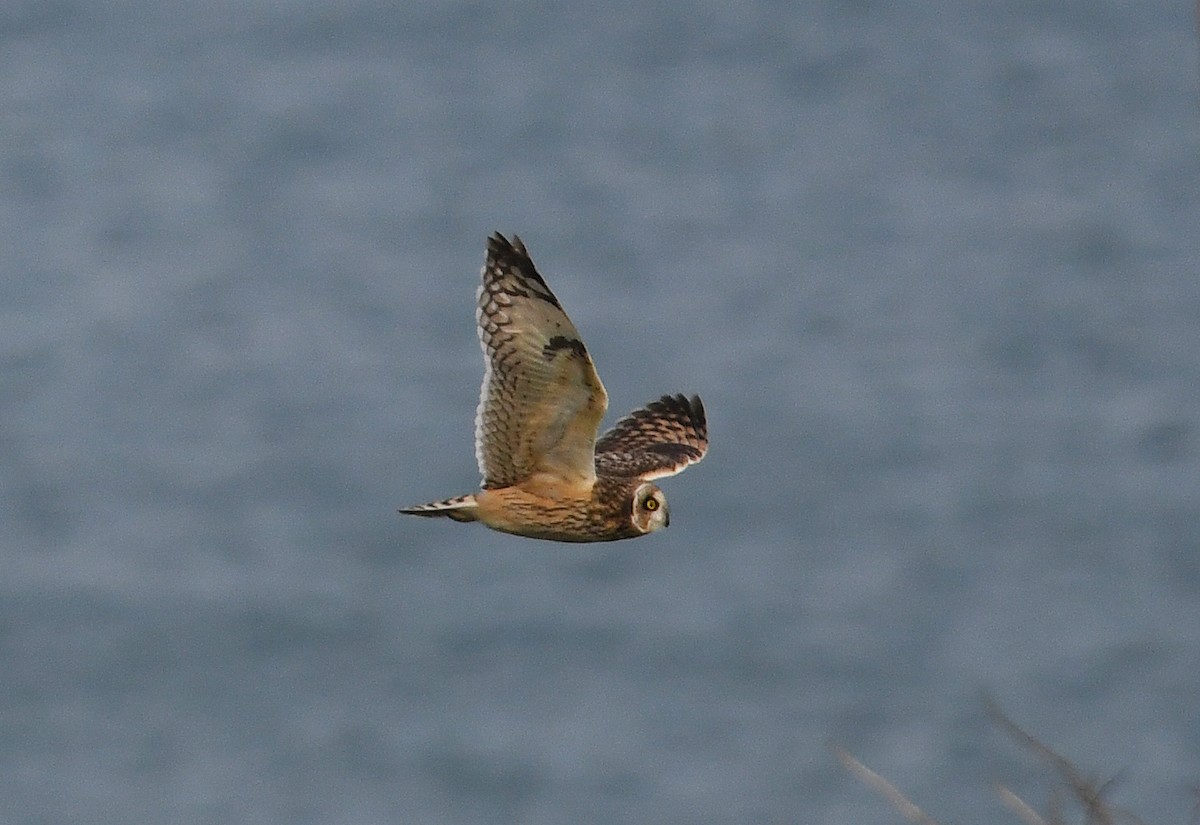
(505, 255)
(497, 243)
(692, 407)
(510, 253)
(499, 246)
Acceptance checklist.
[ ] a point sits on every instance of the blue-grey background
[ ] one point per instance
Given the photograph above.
(933, 267)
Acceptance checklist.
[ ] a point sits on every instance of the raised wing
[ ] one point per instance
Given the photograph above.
(658, 440)
(541, 400)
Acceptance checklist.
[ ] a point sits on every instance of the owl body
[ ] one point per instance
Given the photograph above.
(612, 509)
(545, 473)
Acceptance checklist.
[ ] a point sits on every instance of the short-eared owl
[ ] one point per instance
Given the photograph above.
(545, 474)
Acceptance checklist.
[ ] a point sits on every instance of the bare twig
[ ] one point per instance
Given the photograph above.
(1085, 790)
(1019, 806)
(1087, 794)
(884, 788)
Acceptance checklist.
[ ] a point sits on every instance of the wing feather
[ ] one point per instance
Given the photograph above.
(660, 439)
(541, 400)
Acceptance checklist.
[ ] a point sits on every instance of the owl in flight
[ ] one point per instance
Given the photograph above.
(545, 473)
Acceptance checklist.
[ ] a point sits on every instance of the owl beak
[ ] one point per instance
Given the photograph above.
(667, 520)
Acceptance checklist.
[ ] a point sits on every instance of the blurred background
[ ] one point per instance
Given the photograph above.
(932, 266)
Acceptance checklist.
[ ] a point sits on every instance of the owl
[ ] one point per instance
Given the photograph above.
(545, 473)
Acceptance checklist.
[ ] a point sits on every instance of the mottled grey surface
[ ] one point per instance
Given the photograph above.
(933, 268)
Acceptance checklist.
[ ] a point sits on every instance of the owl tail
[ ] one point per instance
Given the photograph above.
(459, 508)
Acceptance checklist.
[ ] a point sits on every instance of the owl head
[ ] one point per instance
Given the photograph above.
(650, 511)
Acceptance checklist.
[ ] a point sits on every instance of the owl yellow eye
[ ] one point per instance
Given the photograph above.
(651, 504)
